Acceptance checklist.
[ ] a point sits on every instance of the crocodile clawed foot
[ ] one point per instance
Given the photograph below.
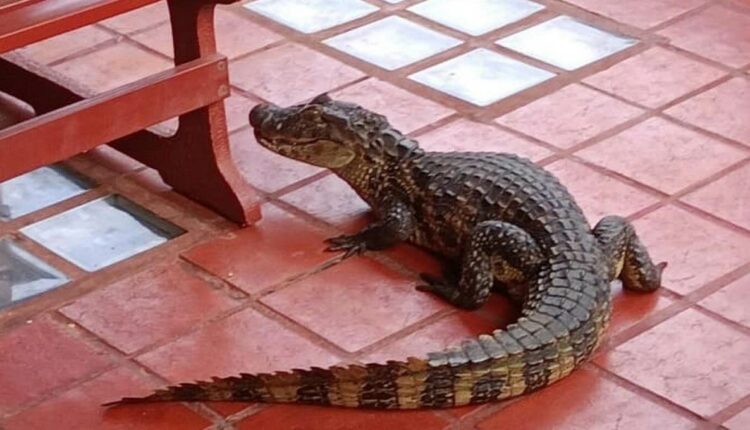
(350, 244)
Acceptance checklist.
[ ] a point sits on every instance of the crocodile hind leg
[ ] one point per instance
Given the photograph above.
(626, 256)
(495, 251)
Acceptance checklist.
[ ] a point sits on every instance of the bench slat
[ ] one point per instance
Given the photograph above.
(81, 126)
(27, 22)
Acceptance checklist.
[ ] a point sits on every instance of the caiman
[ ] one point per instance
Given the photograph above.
(502, 220)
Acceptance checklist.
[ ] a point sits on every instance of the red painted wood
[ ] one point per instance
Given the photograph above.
(196, 161)
(29, 22)
(84, 125)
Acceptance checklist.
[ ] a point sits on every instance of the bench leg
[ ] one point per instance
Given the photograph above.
(196, 161)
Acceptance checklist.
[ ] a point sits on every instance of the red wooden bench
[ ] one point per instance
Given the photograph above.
(69, 120)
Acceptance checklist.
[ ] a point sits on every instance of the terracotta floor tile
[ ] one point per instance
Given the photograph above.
(158, 38)
(414, 258)
(404, 110)
(263, 168)
(569, 116)
(314, 418)
(151, 306)
(599, 195)
(113, 66)
(231, 36)
(690, 359)
(698, 251)
(629, 307)
(85, 402)
(253, 258)
(290, 74)
(139, 18)
(333, 201)
(59, 47)
(740, 421)
(663, 155)
(718, 33)
(650, 79)
(39, 357)
(355, 303)
(247, 341)
(584, 400)
(465, 135)
(732, 301)
(237, 108)
(657, 11)
(722, 109)
(444, 333)
(728, 197)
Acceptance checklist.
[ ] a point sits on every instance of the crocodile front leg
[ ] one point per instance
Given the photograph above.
(495, 251)
(626, 256)
(395, 225)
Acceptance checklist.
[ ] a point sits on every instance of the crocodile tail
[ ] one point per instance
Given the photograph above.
(534, 352)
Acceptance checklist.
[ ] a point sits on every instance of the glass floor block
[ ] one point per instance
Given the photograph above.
(476, 17)
(309, 16)
(566, 43)
(38, 189)
(481, 76)
(22, 275)
(102, 232)
(392, 42)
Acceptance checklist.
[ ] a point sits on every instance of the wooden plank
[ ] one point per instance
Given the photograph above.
(27, 22)
(84, 125)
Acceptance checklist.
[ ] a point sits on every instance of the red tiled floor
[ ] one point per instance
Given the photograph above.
(264, 169)
(723, 110)
(569, 116)
(112, 66)
(40, 357)
(355, 303)
(278, 247)
(333, 201)
(244, 342)
(231, 36)
(139, 19)
(366, 308)
(657, 12)
(698, 251)
(649, 78)
(314, 418)
(663, 155)
(465, 135)
(728, 197)
(154, 305)
(80, 408)
(446, 332)
(237, 108)
(404, 110)
(290, 74)
(740, 421)
(584, 400)
(630, 307)
(598, 194)
(718, 33)
(59, 47)
(732, 301)
(690, 359)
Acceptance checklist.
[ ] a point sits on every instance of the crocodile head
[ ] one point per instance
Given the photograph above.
(324, 132)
